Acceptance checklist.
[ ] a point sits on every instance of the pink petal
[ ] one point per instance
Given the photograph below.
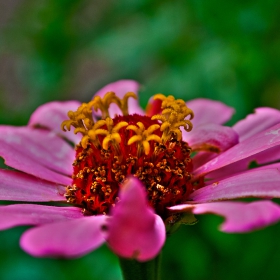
(209, 111)
(38, 152)
(267, 156)
(260, 142)
(211, 137)
(121, 87)
(68, 239)
(262, 119)
(17, 186)
(41, 145)
(240, 217)
(202, 157)
(135, 231)
(52, 114)
(33, 214)
(253, 183)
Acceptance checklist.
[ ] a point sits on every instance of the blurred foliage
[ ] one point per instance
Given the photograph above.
(225, 50)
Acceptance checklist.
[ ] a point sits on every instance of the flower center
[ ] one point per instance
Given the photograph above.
(149, 148)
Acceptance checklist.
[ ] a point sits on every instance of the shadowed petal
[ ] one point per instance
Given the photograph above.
(121, 87)
(72, 238)
(33, 214)
(52, 114)
(135, 231)
(262, 119)
(211, 137)
(209, 111)
(239, 216)
(17, 186)
(253, 183)
(260, 142)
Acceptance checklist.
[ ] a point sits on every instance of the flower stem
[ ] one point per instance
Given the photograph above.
(134, 270)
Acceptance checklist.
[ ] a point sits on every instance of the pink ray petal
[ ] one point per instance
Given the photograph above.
(33, 214)
(40, 145)
(253, 183)
(17, 186)
(135, 231)
(121, 87)
(260, 142)
(52, 114)
(265, 157)
(37, 152)
(209, 111)
(239, 216)
(69, 239)
(211, 137)
(202, 157)
(262, 119)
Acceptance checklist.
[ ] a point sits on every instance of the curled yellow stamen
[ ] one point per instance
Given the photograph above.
(104, 103)
(174, 112)
(83, 122)
(124, 102)
(143, 136)
(111, 133)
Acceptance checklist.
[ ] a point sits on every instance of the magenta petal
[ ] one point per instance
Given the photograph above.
(17, 186)
(135, 231)
(33, 214)
(209, 111)
(253, 183)
(240, 217)
(260, 142)
(267, 156)
(67, 239)
(211, 137)
(37, 152)
(52, 114)
(40, 145)
(262, 119)
(121, 87)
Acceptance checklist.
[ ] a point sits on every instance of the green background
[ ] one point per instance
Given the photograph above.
(224, 50)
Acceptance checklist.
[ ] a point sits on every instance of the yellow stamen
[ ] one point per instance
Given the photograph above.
(124, 102)
(143, 136)
(174, 112)
(111, 134)
(82, 119)
(104, 103)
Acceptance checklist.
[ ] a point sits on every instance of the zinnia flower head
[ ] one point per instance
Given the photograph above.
(135, 175)
(112, 149)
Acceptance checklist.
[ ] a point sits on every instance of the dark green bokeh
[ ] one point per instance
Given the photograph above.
(225, 50)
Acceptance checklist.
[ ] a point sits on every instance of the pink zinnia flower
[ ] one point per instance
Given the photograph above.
(134, 177)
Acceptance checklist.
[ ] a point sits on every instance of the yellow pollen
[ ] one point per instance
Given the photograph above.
(111, 134)
(174, 112)
(110, 97)
(143, 136)
(104, 103)
(83, 122)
